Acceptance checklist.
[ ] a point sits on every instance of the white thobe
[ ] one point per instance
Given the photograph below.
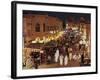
(61, 59)
(66, 60)
(56, 55)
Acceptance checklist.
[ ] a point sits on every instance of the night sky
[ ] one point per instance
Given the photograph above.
(61, 15)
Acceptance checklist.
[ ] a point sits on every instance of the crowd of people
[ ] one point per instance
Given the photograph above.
(70, 46)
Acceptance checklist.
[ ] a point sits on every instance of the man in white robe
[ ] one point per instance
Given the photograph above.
(70, 56)
(61, 59)
(66, 60)
(57, 55)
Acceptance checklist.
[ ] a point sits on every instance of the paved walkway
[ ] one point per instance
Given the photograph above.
(71, 63)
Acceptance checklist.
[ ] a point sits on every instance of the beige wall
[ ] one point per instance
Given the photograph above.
(30, 20)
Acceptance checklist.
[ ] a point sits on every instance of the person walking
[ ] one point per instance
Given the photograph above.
(56, 55)
(61, 55)
(29, 62)
(61, 59)
(66, 60)
(70, 53)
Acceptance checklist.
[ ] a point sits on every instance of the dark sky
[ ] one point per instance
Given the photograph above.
(61, 15)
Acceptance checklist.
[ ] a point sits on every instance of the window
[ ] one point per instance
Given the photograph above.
(37, 27)
(44, 27)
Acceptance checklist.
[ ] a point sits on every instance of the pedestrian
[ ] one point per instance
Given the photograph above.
(66, 60)
(82, 58)
(56, 55)
(70, 56)
(36, 60)
(29, 62)
(49, 59)
(70, 53)
(61, 59)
